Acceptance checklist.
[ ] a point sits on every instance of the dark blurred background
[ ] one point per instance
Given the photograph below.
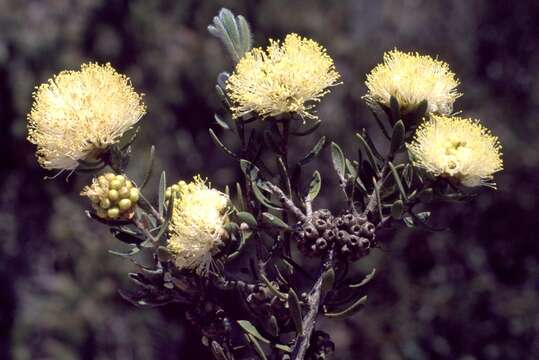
(469, 292)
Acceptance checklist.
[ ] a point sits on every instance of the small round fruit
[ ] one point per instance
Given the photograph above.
(128, 184)
(134, 195)
(115, 184)
(124, 204)
(113, 213)
(109, 176)
(104, 203)
(113, 195)
(120, 178)
(124, 192)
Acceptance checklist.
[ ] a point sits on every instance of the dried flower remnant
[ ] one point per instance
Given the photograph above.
(412, 78)
(112, 196)
(458, 148)
(197, 225)
(285, 78)
(77, 115)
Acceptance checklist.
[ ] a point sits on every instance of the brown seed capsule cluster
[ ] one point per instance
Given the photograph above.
(317, 234)
(264, 303)
(352, 235)
(321, 348)
(113, 196)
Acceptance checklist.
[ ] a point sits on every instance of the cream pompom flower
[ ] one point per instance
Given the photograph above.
(458, 148)
(285, 78)
(412, 78)
(78, 114)
(197, 225)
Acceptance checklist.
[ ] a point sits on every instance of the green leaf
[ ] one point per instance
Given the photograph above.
(272, 287)
(314, 186)
(398, 181)
(273, 326)
(162, 190)
(218, 351)
(149, 168)
(365, 280)
(274, 220)
(368, 151)
(239, 194)
(328, 280)
(257, 347)
(218, 142)
(351, 168)
(397, 138)
(314, 152)
(221, 122)
(338, 159)
(250, 329)
(295, 311)
(397, 209)
(131, 252)
(233, 31)
(247, 218)
(351, 310)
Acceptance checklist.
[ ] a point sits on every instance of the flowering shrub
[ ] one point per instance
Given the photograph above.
(197, 236)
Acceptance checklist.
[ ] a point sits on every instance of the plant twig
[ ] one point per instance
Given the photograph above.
(289, 204)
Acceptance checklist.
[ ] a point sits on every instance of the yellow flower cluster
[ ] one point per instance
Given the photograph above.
(459, 148)
(197, 224)
(285, 78)
(78, 114)
(112, 196)
(412, 78)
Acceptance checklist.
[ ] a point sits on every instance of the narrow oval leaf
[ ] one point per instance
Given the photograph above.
(328, 280)
(272, 287)
(274, 220)
(273, 326)
(257, 347)
(351, 310)
(250, 329)
(314, 186)
(397, 138)
(337, 157)
(247, 218)
(368, 151)
(365, 280)
(398, 181)
(218, 351)
(162, 189)
(317, 148)
(222, 146)
(295, 311)
(222, 123)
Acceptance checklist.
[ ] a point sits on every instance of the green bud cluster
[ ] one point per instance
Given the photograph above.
(174, 189)
(112, 196)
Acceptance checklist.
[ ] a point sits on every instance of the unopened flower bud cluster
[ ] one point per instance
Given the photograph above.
(112, 196)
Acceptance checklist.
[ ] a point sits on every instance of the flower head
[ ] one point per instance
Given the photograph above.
(79, 114)
(459, 148)
(284, 78)
(197, 224)
(112, 196)
(412, 78)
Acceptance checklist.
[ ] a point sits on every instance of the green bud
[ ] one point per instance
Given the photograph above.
(104, 203)
(134, 195)
(124, 204)
(121, 179)
(101, 213)
(168, 193)
(109, 176)
(113, 195)
(175, 187)
(124, 192)
(128, 184)
(113, 213)
(115, 184)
